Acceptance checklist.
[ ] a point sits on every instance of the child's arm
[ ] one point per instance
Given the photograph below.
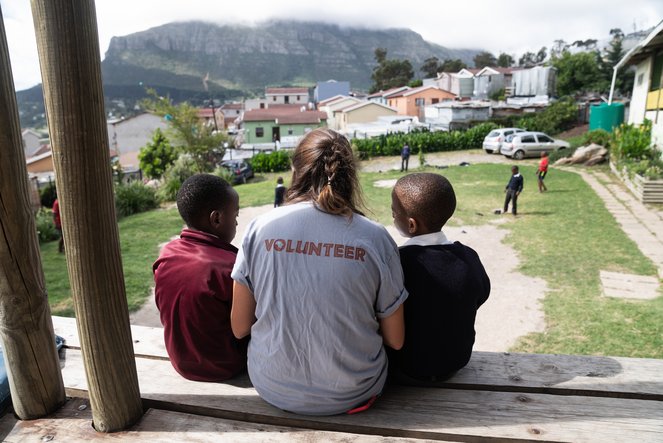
(243, 312)
(393, 329)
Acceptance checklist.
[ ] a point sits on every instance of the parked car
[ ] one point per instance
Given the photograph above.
(240, 169)
(530, 144)
(492, 143)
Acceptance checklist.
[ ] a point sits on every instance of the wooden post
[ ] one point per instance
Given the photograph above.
(26, 328)
(68, 47)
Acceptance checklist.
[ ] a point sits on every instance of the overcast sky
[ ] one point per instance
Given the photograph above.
(511, 26)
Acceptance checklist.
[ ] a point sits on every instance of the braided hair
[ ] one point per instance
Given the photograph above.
(324, 172)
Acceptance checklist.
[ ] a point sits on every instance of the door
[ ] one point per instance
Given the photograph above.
(276, 134)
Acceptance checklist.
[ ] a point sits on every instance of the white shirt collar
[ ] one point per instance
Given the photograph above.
(517, 175)
(434, 238)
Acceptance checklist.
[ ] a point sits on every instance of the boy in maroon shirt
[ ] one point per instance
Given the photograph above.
(193, 287)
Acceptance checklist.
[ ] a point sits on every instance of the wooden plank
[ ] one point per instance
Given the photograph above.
(513, 372)
(73, 422)
(452, 414)
(148, 342)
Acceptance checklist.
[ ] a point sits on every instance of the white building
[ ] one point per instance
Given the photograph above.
(127, 136)
(647, 98)
(448, 115)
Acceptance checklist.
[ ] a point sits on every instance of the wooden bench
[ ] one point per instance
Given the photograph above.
(498, 396)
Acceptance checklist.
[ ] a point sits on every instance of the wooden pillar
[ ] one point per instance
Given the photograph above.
(68, 47)
(26, 328)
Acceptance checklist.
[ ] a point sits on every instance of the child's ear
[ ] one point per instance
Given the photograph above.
(215, 217)
(412, 225)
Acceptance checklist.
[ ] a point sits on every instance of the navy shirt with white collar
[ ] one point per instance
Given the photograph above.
(447, 283)
(515, 183)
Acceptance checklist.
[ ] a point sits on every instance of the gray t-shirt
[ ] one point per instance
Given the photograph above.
(320, 283)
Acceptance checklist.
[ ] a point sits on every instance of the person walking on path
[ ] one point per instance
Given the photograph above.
(405, 157)
(279, 192)
(542, 171)
(513, 190)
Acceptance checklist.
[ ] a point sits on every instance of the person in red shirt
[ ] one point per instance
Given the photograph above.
(58, 224)
(542, 171)
(193, 288)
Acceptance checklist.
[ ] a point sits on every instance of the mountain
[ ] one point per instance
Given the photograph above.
(242, 60)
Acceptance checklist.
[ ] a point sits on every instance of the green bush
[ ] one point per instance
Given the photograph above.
(134, 197)
(156, 156)
(48, 195)
(183, 168)
(224, 173)
(632, 149)
(559, 116)
(598, 136)
(276, 161)
(423, 140)
(45, 227)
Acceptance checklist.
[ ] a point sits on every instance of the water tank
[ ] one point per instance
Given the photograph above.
(605, 116)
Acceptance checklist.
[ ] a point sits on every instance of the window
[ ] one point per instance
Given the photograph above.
(290, 132)
(419, 101)
(656, 73)
(527, 139)
(260, 132)
(262, 106)
(641, 77)
(435, 100)
(297, 98)
(286, 99)
(544, 139)
(273, 99)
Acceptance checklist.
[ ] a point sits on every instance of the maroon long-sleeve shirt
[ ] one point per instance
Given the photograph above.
(193, 292)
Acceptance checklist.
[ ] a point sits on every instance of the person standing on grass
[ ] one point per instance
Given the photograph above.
(320, 289)
(58, 224)
(405, 157)
(542, 171)
(513, 190)
(279, 192)
(193, 288)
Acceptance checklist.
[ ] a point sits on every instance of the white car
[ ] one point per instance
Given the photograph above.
(531, 144)
(492, 143)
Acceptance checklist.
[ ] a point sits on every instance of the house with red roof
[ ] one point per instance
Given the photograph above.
(277, 122)
(412, 101)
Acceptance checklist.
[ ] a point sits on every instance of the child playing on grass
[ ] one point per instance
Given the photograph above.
(513, 190)
(446, 281)
(193, 288)
(542, 171)
(279, 192)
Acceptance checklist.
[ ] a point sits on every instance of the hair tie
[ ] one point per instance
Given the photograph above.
(329, 179)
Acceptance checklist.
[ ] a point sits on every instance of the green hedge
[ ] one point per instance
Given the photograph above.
(423, 141)
(276, 161)
(134, 197)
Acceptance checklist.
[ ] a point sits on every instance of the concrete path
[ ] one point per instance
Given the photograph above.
(642, 223)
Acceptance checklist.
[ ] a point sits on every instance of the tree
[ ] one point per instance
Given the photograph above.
(577, 73)
(157, 156)
(527, 60)
(541, 55)
(191, 135)
(431, 67)
(613, 54)
(505, 60)
(452, 65)
(390, 73)
(483, 59)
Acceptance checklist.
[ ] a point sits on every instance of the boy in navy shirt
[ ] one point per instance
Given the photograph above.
(446, 281)
(513, 190)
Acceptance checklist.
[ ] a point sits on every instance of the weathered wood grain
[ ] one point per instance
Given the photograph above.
(25, 319)
(637, 378)
(148, 342)
(452, 414)
(73, 423)
(68, 46)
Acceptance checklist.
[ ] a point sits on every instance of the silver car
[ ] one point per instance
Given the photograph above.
(493, 141)
(531, 144)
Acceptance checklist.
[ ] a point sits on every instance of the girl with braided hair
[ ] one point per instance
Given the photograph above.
(319, 288)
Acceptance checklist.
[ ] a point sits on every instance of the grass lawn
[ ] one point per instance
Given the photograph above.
(565, 236)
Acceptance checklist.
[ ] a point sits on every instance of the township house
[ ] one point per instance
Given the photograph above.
(214, 118)
(266, 126)
(412, 101)
(231, 112)
(286, 96)
(459, 83)
(647, 97)
(489, 81)
(362, 112)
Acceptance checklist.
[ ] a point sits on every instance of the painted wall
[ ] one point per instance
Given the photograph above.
(128, 136)
(286, 130)
(407, 105)
(365, 114)
(640, 89)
